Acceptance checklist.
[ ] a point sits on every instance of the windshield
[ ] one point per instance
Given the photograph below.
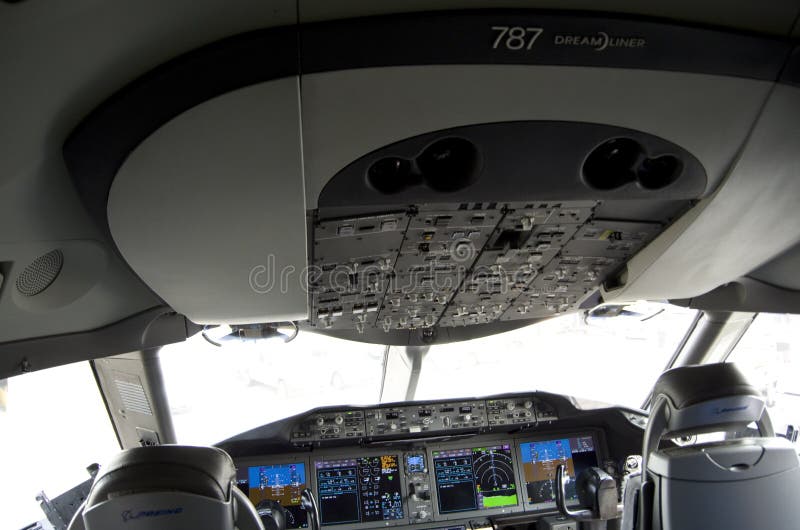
(571, 355)
(769, 355)
(53, 425)
(565, 355)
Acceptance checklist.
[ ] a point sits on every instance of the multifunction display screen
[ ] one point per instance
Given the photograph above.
(359, 490)
(476, 478)
(415, 463)
(282, 483)
(540, 461)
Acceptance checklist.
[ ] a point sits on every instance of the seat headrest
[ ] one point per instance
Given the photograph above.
(705, 398)
(205, 471)
(690, 385)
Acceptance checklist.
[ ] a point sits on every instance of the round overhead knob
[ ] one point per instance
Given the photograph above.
(467, 417)
(529, 404)
(320, 421)
(511, 405)
(338, 420)
(422, 514)
(393, 426)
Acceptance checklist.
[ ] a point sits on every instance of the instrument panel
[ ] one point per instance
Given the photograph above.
(454, 481)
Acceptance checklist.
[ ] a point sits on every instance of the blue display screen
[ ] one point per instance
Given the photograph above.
(282, 483)
(540, 460)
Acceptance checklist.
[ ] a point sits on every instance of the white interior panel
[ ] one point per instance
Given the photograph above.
(347, 114)
(751, 219)
(199, 208)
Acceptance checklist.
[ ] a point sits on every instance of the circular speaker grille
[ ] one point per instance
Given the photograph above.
(40, 274)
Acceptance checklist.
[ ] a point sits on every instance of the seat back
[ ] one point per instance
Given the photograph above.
(167, 487)
(740, 483)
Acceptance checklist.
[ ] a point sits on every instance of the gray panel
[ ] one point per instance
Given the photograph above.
(347, 114)
(209, 209)
(133, 388)
(84, 51)
(88, 50)
(752, 219)
(707, 494)
(781, 271)
(94, 288)
(746, 294)
(776, 17)
(149, 329)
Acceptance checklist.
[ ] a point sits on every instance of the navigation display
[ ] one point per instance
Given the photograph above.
(282, 483)
(477, 478)
(359, 490)
(540, 460)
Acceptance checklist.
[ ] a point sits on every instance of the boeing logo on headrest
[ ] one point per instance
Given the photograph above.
(719, 411)
(129, 515)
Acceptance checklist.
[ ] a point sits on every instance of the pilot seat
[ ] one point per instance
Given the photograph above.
(167, 487)
(740, 483)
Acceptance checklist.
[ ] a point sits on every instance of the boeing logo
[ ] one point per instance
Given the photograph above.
(600, 41)
(129, 515)
(719, 411)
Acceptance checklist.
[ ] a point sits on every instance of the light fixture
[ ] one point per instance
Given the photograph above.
(250, 333)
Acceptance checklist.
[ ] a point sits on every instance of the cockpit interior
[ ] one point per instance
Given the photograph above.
(437, 265)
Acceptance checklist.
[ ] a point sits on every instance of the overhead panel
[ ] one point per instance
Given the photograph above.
(427, 264)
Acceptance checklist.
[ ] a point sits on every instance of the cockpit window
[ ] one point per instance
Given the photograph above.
(216, 392)
(53, 426)
(610, 360)
(769, 355)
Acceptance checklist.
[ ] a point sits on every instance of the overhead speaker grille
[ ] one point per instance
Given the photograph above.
(40, 274)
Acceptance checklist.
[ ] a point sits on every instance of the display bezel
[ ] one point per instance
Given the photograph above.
(599, 448)
(246, 463)
(364, 454)
(471, 444)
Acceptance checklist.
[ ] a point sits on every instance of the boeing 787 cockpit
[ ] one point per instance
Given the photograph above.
(421, 265)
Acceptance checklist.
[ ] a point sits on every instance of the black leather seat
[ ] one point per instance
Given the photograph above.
(711, 485)
(205, 471)
(167, 486)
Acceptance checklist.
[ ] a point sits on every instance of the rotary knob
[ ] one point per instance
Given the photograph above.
(320, 421)
(446, 421)
(422, 514)
(511, 405)
(338, 420)
(529, 404)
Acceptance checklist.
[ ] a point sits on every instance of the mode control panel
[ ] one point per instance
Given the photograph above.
(511, 411)
(420, 506)
(340, 425)
(425, 418)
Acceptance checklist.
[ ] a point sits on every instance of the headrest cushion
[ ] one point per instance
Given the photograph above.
(205, 471)
(690, 385)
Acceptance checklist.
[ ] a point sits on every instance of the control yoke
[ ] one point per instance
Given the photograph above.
(597, 492)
